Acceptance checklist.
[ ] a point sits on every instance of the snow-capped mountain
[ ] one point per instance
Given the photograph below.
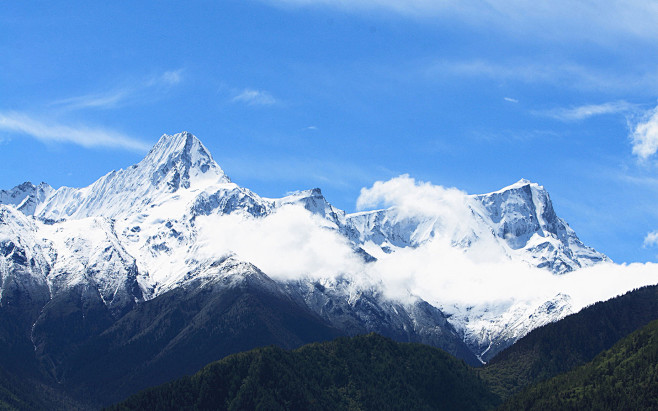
(522, 215)
(174, 221)
(519, 220)
(177, 166)
(26, 197)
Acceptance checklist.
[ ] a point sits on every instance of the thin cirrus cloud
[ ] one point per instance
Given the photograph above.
(644, 135)
(254, 97)
(84, 136)
(123, 95)
(544, 18)
(170, 78)
(102, 100)
(567, 74)
(589, 110)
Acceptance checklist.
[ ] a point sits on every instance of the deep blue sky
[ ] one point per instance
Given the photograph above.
(295, 94)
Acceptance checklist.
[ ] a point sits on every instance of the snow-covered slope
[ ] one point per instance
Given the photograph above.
(522, 215)
(26, 197)
(177, 167)
(518, 222)
(165, 222)
(25, 258)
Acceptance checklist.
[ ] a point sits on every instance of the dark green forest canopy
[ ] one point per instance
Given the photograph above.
(576, 339)
(622, 378)
(364, 372)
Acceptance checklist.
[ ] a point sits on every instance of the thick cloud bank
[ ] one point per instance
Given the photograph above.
(292, 243)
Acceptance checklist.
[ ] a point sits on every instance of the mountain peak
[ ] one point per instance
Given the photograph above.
(26, 196)
(519, 184)
(179, 159)
(176, 144)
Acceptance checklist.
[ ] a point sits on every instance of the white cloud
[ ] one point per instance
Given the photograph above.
(445, 276)
(137, 91)
(289, 244)
(80, 135)
(293, 244)
(510, 99)
(589, 110)
(644, 135)
(412, 198)
(484, 276)
(651, 240)
(255, 97)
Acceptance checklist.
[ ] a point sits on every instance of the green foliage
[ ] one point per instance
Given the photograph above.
(622, 378)
(365, 372)
(561, 346)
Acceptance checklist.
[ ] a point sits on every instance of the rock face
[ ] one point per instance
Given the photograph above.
(130, 262)
(523, 216)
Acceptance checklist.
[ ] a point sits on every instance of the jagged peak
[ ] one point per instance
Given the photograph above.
(519, 184)
(314, 195)
(185, 153)
(22, 187)
(25, 186)
(177, 144)
(313, 192)
(26, 196)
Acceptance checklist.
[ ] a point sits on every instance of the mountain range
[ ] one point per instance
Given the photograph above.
(603, 357)
(153, 271)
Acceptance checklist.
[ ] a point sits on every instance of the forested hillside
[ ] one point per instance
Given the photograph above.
(365, 372)
(561, 346)
(622, 378)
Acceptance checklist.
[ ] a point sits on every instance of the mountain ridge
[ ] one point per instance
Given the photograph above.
(173, 221)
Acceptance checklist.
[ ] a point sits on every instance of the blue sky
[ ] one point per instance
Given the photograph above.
(295, 94)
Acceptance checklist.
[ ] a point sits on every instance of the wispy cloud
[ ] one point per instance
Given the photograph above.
(81, 135)
(644, 135)
(510, 99)
(589, 110)
(651, 240)
(124, 95)
(170, 78)
(254, 97)
(510, 136)
(564, 74)
(543, 18)
(110, 99)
